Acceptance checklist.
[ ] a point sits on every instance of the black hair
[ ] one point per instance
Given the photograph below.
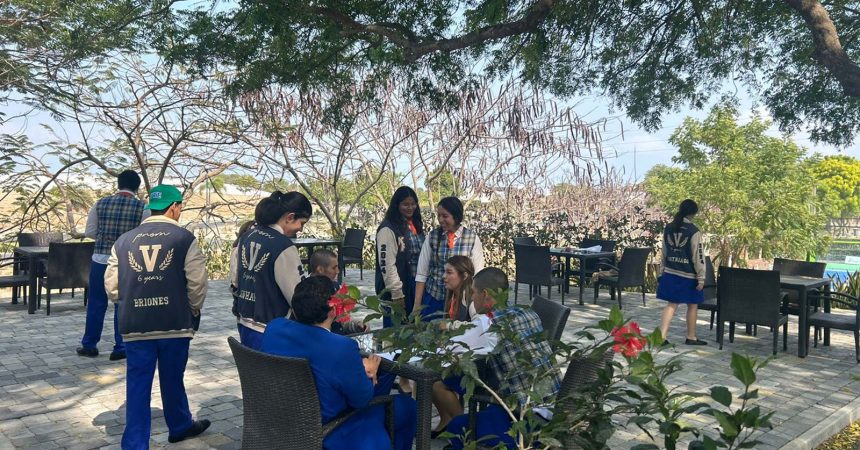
(320, 257)
(161, 212)
(310, 300)
(454, 206)
(243, 230)
(268, 211)
(393, 212)
(294, 202)
(490, 278)
(687, 208)
(129, 180)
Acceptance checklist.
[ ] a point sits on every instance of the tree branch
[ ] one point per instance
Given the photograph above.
(828, 48)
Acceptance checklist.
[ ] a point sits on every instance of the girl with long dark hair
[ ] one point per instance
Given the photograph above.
(398, 244)
(682, 275)
(265, 266)
(450, 238)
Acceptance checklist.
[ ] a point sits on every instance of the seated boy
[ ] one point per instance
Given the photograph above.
(323, 262)
(493, 422)
(344, 380)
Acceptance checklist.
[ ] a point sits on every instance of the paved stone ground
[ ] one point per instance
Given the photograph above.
(51, 398)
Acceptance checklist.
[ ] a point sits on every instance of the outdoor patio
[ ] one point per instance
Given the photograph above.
(52, 398)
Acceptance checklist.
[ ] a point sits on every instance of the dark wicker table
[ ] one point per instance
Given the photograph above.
(311, 243)
(33, 255)
(582, 257)
(424, 379)
(803, 285)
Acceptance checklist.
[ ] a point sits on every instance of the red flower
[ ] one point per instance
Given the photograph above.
(628, 339)
(342, 304)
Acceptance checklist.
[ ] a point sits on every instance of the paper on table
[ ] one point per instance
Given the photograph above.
(391, 355)
(593, 249)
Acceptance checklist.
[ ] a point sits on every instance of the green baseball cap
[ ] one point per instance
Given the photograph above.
(162, 196)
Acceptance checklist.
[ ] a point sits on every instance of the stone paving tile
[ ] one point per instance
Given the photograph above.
(51, 398)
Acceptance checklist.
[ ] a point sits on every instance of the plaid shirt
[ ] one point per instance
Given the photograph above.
(116, 214)
(439, 253)
(506, 362)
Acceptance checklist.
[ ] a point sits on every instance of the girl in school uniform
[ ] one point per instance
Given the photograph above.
(459, 272)
(449, 239)
(683, 270)
(398, 244)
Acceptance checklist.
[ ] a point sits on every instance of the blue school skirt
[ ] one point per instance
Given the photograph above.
(675, 289)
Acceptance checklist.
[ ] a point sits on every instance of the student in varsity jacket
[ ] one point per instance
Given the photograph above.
(398, 244)
(265, 267)
(157, 274)
(448, 239)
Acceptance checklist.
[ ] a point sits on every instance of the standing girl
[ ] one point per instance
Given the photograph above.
(398, 243)
(265, 267)
(683, 270)
(450, 238)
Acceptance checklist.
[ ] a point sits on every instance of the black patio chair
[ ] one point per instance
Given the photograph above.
(286, 414)
(710, 290)
(580, 375)
(525, 240)
(752, 297)
(534, 267)
(848, 319)
(631, 273)
(68, 266)
(553, 318)
(35, 239)
(353, 250)
(17, 281)
(790, 300)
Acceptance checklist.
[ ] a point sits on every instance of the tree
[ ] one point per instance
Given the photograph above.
(838, 185)
(756, 197)
(649, 56)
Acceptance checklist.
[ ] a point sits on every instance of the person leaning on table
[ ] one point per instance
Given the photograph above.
(157, 274)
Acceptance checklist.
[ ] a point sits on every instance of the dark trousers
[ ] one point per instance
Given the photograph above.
(170, 356)
(97, 303)
(250, 338)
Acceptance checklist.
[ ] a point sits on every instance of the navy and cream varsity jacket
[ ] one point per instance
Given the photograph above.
(157, 273)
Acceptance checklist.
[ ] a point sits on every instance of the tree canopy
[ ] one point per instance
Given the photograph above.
(649, 56)
(756, 197)
(838, 184)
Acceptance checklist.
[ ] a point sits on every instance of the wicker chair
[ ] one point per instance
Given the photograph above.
(710, 291)
(353, 250)
(591, 265)
(752, 297)
(631, 273)
(38, 239)
(534, 267)
(799, 268)
(68, 267)
(580, 374)
(16, 281)
(280, 402)
(553, 318)
(828, 319)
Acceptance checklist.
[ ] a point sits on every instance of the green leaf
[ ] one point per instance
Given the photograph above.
(372, 302)
(615, 317)
(742, 369)
(721, 395)
(644, 447)
(726, 423)
(750, 395)
(354, 292)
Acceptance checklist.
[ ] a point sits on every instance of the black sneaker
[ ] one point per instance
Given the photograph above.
(117, 356)
(88, 352)
(197, 427)
(695, 342)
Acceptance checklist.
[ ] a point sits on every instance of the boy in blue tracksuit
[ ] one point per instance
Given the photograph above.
(157, 274)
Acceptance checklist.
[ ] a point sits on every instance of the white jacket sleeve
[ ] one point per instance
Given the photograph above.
(196, 276)
(698, 256)
(289, 272)
(234, 268)
(478, 338)
(423, 270)
(478, 255)
(92, 228)
(387, 248)
(112, 277)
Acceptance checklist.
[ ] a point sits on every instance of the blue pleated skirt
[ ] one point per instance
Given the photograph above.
(675, 289)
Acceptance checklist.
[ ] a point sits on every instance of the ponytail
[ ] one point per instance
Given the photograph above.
(687, 208)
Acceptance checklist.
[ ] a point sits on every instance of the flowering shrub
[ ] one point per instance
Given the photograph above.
(344, 301)
(628, 391)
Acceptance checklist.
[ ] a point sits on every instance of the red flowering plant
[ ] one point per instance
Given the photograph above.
(343, 301)
(628, 339)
